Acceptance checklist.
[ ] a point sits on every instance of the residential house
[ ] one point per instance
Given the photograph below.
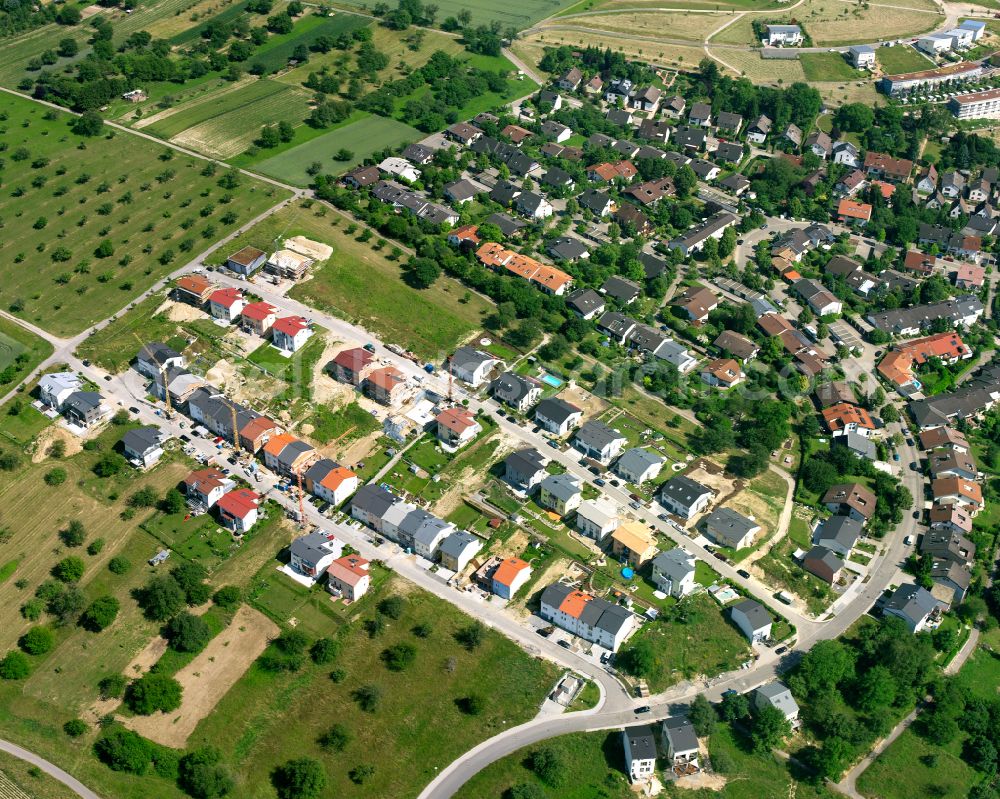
(570, 79)
(632, 221)
(203, 488)
(509, 576)
(914, 605)
(353, 365)
(246, 261)
(700, 115)
(349, 577)
(821, 300)
(55, 388)
(599, 203)
(638, 466)
(759, 130)
(640, 752)
(595, 518)
(143, 446)
(458, 550)
(820, 144)
(154, 358)
(616, 326)
(885, 167)
(585, 303)
(674, 107)
(290, 333)
(728, 528)
(965, 311)
(946, 463)
(853, 213)
(549, 99)
(557, 416)
(969, 276)
(958, 491)
(793, 135)
(681, 740)
(722, 373)
(460, 192)
(944, 438)
(697, 303)
(737, 345)
(862, 56)
(621, 289)
(777, 695)
(472, 366)
(556, 178)
(464, 133)
(609, 172)
(783, 35)
(712, 228)
(556, 131)
(633, 543)
(226, 304)
(839, 534)
(330, 482)
(371, 504)
(823, 563)
(238, 510)
(598, 441)
(753, 620)
(652, 191)
(362, 176)
(592, 618)
(525, 469)
(83, 408)
(946, 541)
(845, 417)
(515, 391)
(258, 318)
(850, 499)
(684, 497)
(286, 455)
(673, 572)
(193, 289)
(567, 248)
(547, 278)
(312, 554)
(561, 493)
(594, 86)
(385, 385)
(456, 427)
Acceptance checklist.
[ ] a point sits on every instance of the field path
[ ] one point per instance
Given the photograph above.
(51, 769)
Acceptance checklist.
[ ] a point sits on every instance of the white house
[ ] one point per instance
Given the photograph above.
(312, 554)
(143, 446)
(777, 695)
(862, 56)
(458, 549)
(673, 572)
(684, 497)
(598, 441)
(681, 740)
(238, 510)
(557, 416)
(638, 466)
(640, 752)
(349, 577)
(596, 518)
(592, 618)
(53, 389)
(154, 358)
(783, 35)
(509, 576)
(290, 333)
(472, 366)
(400, 168)
(226, 304)
(753, 620)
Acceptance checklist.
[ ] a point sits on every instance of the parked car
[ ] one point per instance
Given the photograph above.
(599, 482)
(781, 650)
(133, 409)
(553, 444)
(916, 515)
(743, 573)
(615, 483)
(565, 644)
(634, 505)
(642, 709)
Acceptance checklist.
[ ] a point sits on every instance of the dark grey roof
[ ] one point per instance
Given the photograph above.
(504, 192)
(827, 557)
(951, 310)
(964, 402)
(508, 225)
(594, 200)
(83, 401)
(683, 490)
(557, 177)
(462, 189)
(374, 500)
(680, 733)
(158, 353)
(585, 301)
(646, 338)
(554, 594)
(729, 527)
(567, 248)
(755, 613)
(615, 323)
(842, 530)
(597, 435)
(641, 742)
(311, 548)
(413, 521)
(141, 439)
(613, 618)
(525, 461)
(556, 410)
(511, 387)
(455, 544)
(319, 470)
(912, 602)
(470, 358)
(562, 486)
(291, 451)
(430, 529)
(621, 288)
(653, 265)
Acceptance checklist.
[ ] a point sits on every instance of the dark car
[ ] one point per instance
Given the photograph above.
(916, 515)
(636, 497)
(565, 644)
(743, 573)
(133, 409)
(721, 557)
(107, 378)
(553, 444)
(186, 439)
(642, 709)
(781, 650)
(615, 483)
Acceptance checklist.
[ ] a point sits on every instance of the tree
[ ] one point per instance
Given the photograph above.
(335, 739)
(15, 666)
(119, 565)
(299, 779)
(112, 686)
(399, 657)
(876, 689)
(361, 773)
(69, 570)
(639, 658)
(323, 651)
(228, 597)
(37, 641)
(473, 704)
(833, 757)
(101, 614)
(191, 579)
(549, 766)
(824, 666)
(471, 637)
(734, 706)
(854, 117)
(524, 790)
(940, 726)
(422, 272)
(74, 728)
(368, 697)
(188, 633)
(702, 716)
(74, 535)
(768, 728)
(123, 750)
(153, 692)
(161, 598)
(88, 124)
(109, 464)
(392, 606)
(55, 477)
(201, 775)
(889, 413)
(173, 501)
(143, 498)
(68, 47)
(105, 249)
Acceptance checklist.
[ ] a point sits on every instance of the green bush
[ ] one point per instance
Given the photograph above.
(153, 692)
(228, 597)
(69, 570)
(119, 565)
(123, 750)
(101, 613)
(74, 728)
(112, 686)
(15, 666)
(188, 633)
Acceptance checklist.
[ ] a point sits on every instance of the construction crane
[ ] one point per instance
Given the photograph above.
(236, 432)
(450, 380)
(302, 501)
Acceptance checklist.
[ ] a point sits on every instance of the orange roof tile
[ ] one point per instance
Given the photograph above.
(278, 443)
(574, 604)
(508, 570)
(839, 416)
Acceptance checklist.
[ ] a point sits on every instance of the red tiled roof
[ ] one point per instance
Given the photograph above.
(226, 298)
(239, 503)
(291, 325)
(508, 570)
(258, 311)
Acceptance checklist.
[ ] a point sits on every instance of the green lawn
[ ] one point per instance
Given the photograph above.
(361, 285)
(363, 137)
(277, 50)
(114, 346)
(31, 780)
(346, 424)
(705, 644)
(902, 773)
(901, 59)
(518, 14)
(20, 352)
(827, 67)
(418, 726)
(69, 195)
(216, 105)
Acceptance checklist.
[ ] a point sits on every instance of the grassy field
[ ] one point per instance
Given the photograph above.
(519, 14)
(707, 644)
(18, 51)
(17, 342)
(897, 60)
(418, 726)
(114, 346)
(531, 47)
(76, 194)
(361, 285)
(828, 67)
(595, 759)
(363, 137)
(765, 71)
(32, 781)
(347, 424)
(276, 51)
(676, 25)
(695, 5)
(902, 773)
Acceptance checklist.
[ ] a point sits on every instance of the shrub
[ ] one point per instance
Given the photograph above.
(202, 776)
(472, 705)
(299, 779)
(74, 535)
(470, 637)
(361, 772)
(191, 579)
(323, 651)
(392, 606)
(549, 766)
(399, 657)
(69, 570)
(337, 676)
(123, 750)
(95, 547)
(14, 666)
(101, 613)
(37, 641)
(335, 739)
(55, 477)
(188, 633)
(153, 692)
(119, 565)
(74, 728)
(368, 697)
(161, 598)
(112, 686)
(228, 597)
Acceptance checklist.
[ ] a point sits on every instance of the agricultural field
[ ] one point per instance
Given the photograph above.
(20, 352)
(900, 59)
(363, 136)
(675, 25)
(517, 14)
(828, 67)
(531, 47)
(749, 64)
(18, 51)
(80, 239)
(418, 724)
(584, 6)
(360, 284)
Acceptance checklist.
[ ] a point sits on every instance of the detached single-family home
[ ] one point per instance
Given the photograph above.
(258, 318)
(850, 499)
(914, 605)
(561, 493)
(143, 446)
(681, 740)
(154, 358)
(777, 695)
(205, 487)
(83, 408)
(824, 563)
(400, 168)
(598, 441)
(862, 56)
(458, 550)
(586, 303)
(673, 572)
(290, 333)
(639, 465)
(353, 365)
(385, 385)
(508, 577)
(820, 299)
(312, 554)
(838, 534)
(525, 469)
(759, 130)
(722, 373)
(684, 497)
(515, 391)
(226, 304)
(697, 303)
(456, 427)
(557, 416)
(633, 543)
(753, 620)
(54, 389)
(730, 529)
(595, 518)
(472, 366)
(238, 510)
(193, 289)
(349, 577)
(783, 35)
(246, 261)
(640, 752)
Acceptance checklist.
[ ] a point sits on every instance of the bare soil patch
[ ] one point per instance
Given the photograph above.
(180, 311)
(208, 677)
(587, 402)
(51, 434)
(311, 249)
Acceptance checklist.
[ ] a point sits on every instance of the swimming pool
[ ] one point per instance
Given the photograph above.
(551, 380)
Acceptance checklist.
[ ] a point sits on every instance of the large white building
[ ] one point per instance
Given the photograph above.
(976, 105)
(590, 617)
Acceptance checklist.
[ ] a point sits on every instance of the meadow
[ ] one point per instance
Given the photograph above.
(276, 51)
(360, 284)
(91, 222)
(16, 342)
(897, 60)
(828, 67)
(676, 25)
(519, 14)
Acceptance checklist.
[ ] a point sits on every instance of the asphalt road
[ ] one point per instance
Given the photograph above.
(51, 769)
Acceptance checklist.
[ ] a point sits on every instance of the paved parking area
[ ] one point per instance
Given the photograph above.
(846, 334)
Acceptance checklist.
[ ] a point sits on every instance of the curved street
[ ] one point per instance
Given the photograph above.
(48, 768)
